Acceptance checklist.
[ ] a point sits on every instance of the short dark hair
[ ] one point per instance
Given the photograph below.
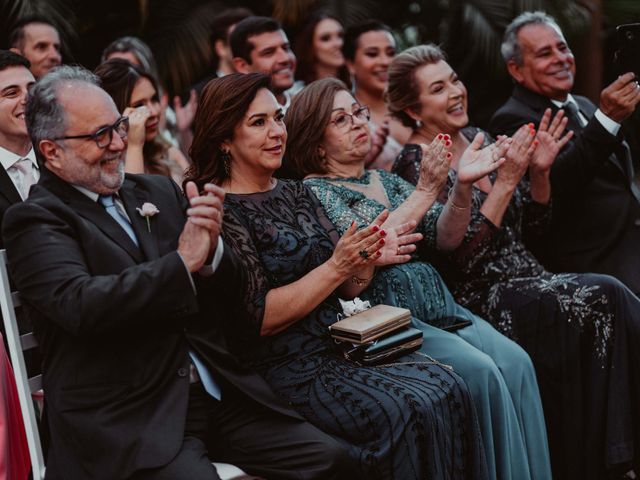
(250, 27)
(16, 37)
(307, 119)
(353, 33)
(223, 105)
(11, 59)
(221, 23)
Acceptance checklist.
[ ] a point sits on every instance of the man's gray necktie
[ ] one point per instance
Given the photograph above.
(573, 114)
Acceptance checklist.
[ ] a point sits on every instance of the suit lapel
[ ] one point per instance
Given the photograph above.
(133, 197)
(7, 188)
(90, 210)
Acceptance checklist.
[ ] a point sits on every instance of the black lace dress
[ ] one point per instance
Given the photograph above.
(412, 419)
(581, 331)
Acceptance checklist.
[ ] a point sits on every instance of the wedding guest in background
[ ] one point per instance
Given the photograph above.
(328, 144)
(318, 47)
(221, 29)
(175, 121)
(595, 174)
(135, 93)
(20, 168)
(582, 331)
(410, 419)
(259, 44)
(37, 39)
(369, 48)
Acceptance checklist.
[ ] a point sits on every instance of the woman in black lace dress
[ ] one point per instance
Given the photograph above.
(581, 330)
(412, 419)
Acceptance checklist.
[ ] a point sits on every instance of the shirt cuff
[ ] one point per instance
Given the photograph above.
(193, 285)
(208, 270)
(609, 125)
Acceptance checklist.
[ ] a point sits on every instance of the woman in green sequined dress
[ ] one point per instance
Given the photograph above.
(328, 141)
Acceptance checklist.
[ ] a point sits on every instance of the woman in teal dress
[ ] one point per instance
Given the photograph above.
(328, 141)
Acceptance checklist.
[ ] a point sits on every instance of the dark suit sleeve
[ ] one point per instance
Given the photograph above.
(51, 270)
(578, 163)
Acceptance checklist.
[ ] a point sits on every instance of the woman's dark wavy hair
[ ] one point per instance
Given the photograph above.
(303, 48)
(118, 78)
(223, 105)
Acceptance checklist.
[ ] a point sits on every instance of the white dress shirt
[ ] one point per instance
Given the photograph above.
(609, 125)
(9, 159)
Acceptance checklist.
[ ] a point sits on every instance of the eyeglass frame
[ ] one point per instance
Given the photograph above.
(101, 131)
(361, 108)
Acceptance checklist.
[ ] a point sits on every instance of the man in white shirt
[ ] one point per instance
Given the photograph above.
(595, 224)
(19, 167)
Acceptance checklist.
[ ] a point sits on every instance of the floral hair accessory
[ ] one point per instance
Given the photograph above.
(147, 211)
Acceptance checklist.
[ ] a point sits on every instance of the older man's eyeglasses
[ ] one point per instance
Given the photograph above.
(344, 120)
(104, 136)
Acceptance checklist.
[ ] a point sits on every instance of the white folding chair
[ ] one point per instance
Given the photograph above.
(27, 387)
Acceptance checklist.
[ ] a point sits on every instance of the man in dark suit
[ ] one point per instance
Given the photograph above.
(19, 167)
(116, 271)
(595, 224)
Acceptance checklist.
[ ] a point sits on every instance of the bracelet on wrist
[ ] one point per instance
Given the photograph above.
(361, 282)
(453, 205)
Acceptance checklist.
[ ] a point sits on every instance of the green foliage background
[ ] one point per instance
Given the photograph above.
(469, 30)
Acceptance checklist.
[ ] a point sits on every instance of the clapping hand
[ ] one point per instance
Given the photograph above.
(378, 141)
(475, 163)
(549, 140)
(399, 244)
(359, 248)
(518, 156)
(185, 114)
(200, 234)
(434, 166)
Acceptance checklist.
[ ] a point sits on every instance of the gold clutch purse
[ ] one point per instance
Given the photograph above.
(366, 326)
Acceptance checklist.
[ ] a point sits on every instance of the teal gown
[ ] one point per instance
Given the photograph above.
(498, 372)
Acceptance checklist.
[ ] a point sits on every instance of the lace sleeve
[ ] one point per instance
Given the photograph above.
(251, 312)
(536, 219)
(407, 164)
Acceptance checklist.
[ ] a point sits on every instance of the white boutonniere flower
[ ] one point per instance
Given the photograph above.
(147, 211)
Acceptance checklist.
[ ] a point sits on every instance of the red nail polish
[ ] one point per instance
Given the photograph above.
(530, 125)
(383, 233)
(532, 132)
(447, 143)
(375, 228)
(447, 137)
(378, 254)
(440, 137)
(382, 242)
(536, 142)
(449, 154)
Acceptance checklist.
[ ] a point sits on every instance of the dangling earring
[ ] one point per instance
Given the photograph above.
(226, 162)
(418, 123)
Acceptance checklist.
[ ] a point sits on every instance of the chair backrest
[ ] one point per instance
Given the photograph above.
(26, 386)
